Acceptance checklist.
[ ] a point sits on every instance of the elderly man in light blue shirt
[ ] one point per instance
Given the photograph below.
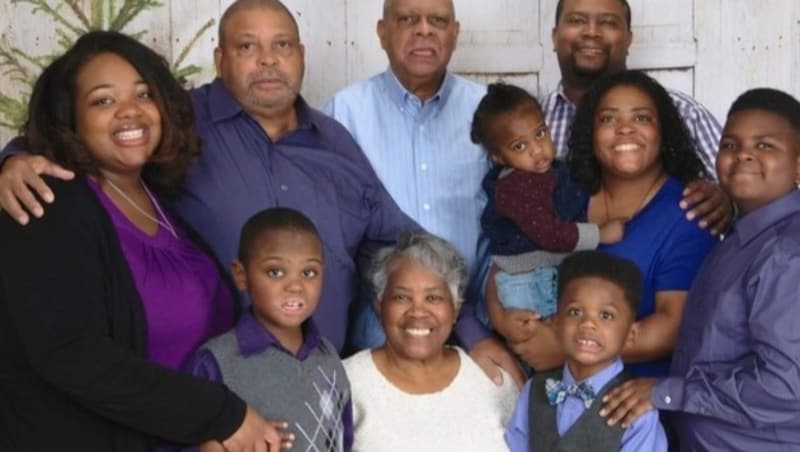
(413, 123)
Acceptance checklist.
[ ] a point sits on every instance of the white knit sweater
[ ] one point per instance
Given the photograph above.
(468, 415)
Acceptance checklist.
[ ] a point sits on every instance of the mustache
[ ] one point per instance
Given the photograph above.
(268, 74)
(605, 48)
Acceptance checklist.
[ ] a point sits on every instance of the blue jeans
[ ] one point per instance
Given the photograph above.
(534, 291)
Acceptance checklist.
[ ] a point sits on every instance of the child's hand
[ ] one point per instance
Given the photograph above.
(612, 231)
(516, 325)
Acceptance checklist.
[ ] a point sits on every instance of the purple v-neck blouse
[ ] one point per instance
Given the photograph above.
(184, 298)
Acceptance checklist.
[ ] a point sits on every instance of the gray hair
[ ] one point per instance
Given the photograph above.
(432, 252)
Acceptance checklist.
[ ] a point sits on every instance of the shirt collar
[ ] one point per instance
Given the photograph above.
(225, 106)
(560, 95)
(399, 94)
(253, 338)
(755, 222)
(598, 380)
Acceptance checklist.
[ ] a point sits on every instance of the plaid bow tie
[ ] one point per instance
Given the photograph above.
(557, 392)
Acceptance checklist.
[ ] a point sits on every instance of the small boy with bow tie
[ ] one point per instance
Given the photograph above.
(599, 296)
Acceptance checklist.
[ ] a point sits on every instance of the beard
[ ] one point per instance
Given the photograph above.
(585, 71)
(276, 98)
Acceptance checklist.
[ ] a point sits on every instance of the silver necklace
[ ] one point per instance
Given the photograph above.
(166, 224)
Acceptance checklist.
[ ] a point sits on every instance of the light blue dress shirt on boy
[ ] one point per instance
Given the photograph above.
(423, 155)
(646, 433)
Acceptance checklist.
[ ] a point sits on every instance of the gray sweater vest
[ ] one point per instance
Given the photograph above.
(310, 395)
(589, 433)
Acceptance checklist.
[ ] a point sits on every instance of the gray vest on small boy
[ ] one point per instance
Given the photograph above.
(310, 395)
(589, 433)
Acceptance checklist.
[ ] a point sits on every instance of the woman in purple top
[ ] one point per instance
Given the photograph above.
(103, 298)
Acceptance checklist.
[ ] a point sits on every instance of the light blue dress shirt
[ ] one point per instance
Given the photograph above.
(423, 155)
(422, 151)
(646, 433)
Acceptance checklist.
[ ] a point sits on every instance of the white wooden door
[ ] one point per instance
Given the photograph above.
(711, 49)
(663, 42)
(511, 40)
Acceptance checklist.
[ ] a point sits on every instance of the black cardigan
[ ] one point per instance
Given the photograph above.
(73, 368)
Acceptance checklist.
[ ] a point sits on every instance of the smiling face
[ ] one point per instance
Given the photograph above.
(116, 116)
(627, 133)
(419, 37)
(522, 141)
(759, 158)
(593, 323)
(283, 275)
(417, 312)
(260, 59)
(591, 38)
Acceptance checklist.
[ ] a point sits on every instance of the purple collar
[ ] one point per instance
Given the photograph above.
(253, 338)
(751, 225)
(226, 106)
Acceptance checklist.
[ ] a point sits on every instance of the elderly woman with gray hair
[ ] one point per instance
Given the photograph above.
(415, 392)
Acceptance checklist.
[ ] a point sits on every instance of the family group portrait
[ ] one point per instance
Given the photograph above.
(399, 225)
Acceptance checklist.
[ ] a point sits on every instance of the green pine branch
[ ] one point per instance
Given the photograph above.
(192, 42)
(44, 6)
(73, 18)
(75, 6)
(129, 10)
(12, 112)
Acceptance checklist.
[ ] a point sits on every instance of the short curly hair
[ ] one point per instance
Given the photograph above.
(500, 99)
(771, 100)
(678, 152)
(619, 271)
(51, 126)
(434, 253)
(269, 221)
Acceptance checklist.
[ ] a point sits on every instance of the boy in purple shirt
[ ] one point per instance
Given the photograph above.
(734, 384)
(275, 358)
(598, 299)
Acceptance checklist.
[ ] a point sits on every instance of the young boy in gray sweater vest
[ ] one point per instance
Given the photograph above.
(274, 358)
(558, 410)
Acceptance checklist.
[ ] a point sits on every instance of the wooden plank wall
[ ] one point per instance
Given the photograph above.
(713, 49)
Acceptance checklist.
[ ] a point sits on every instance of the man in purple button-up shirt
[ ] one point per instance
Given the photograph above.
(735, 378)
